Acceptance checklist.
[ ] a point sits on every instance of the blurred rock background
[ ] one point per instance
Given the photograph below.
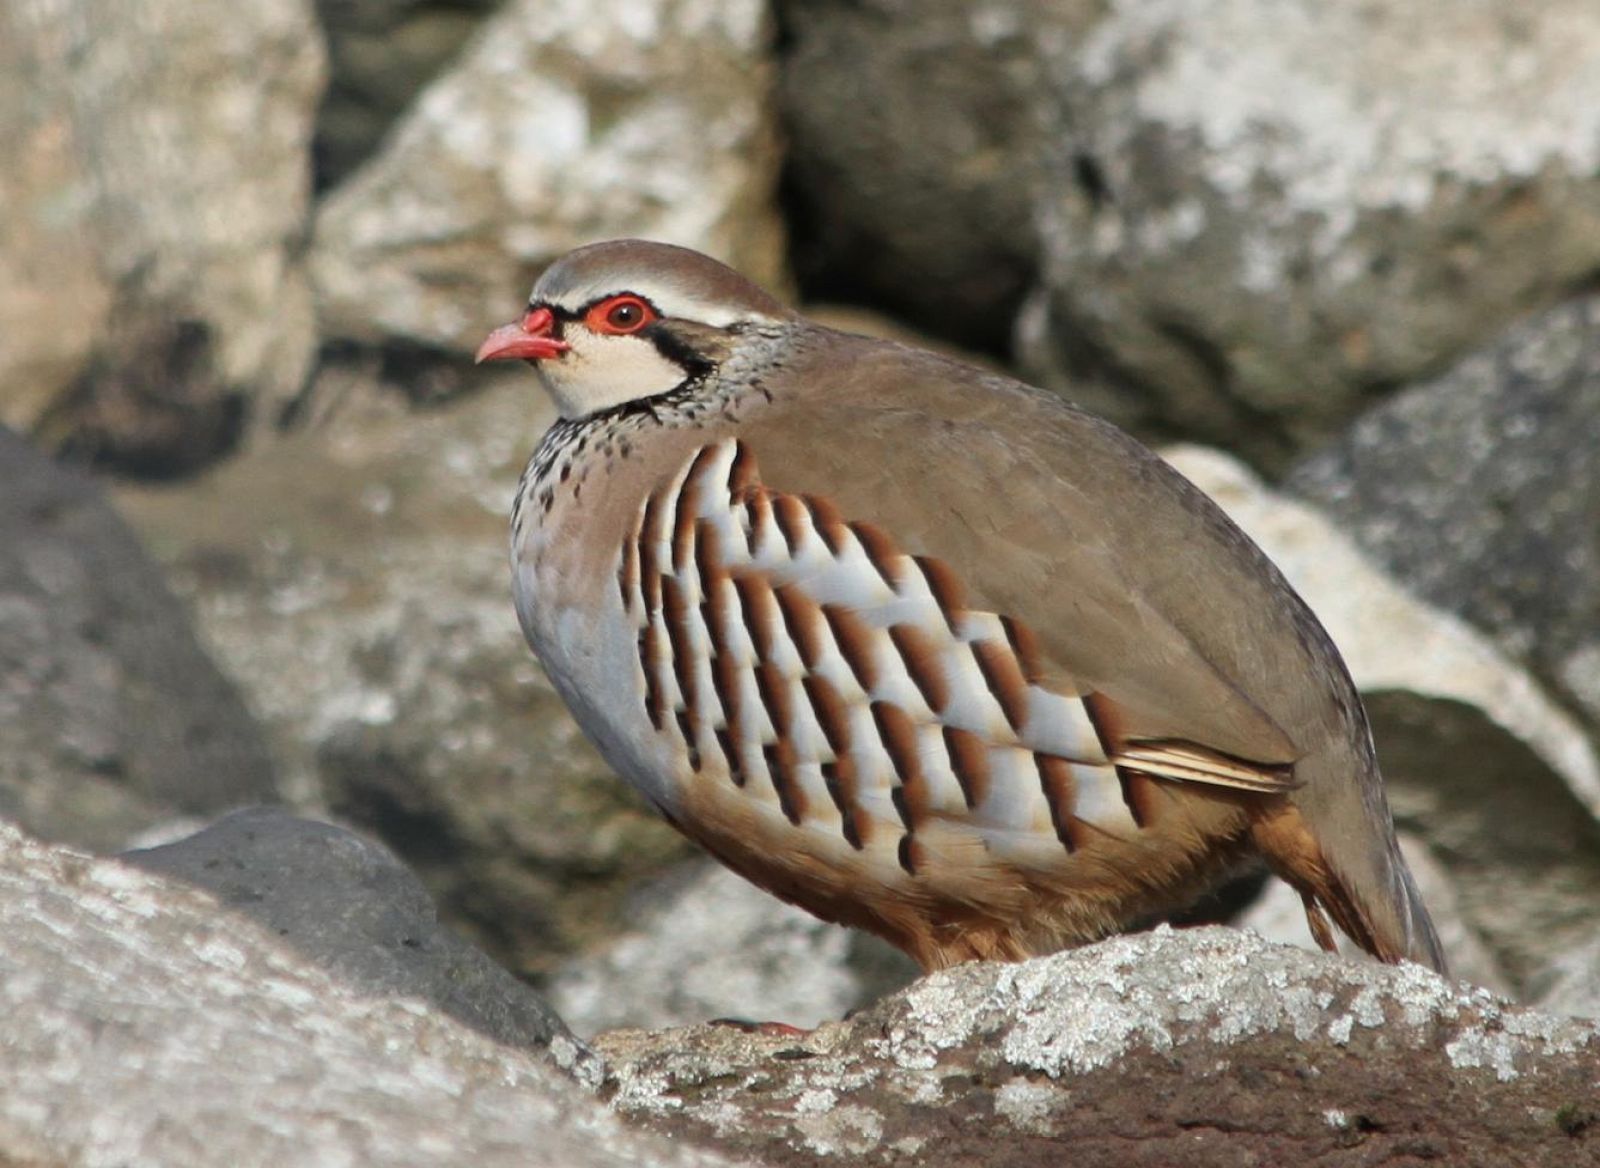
(253, 495)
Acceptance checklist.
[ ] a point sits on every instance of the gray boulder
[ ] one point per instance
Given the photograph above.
(113, 720)
(147, 1025)
(701, 943)
(350, 907)
(1480, 490)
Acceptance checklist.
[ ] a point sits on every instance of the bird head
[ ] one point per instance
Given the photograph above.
(630, 320)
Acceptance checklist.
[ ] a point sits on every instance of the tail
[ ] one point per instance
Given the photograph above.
(1333, 841)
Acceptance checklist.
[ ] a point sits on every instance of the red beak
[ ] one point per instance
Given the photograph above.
(529, 339)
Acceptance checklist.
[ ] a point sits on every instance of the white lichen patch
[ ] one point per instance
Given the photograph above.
(724, 1117)
(649, 1091)
(815, 1101)
(1028, 1106)
(841, 1131)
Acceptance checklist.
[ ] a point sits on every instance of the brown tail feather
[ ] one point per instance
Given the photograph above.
(1389, 921)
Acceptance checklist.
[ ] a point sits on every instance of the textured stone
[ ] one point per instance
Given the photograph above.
(703, 943)
(145, 1025)
(1481, 491)
(560, 124)
(1205, 1046)
(380, 54)
(915, 136)
(1242, 219)
(112, 718)
(352, 908)
(352, 579)
(1479, 762)
(150, 300)
(1571, 983)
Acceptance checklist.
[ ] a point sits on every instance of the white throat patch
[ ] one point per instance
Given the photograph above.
(600, 372)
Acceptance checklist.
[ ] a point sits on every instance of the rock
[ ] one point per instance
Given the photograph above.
(146, 1024)
(913, 159)
(352, 579)
(1204, 1046)
(350, 907)
(1571, 983)
(703, 943)
(1480, 490)
(150, 299)
(380, 54)
(561, 124)
(1375, 189)
(1479, 762)
(112, 718)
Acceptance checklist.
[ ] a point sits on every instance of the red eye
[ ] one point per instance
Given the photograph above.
(620, 314)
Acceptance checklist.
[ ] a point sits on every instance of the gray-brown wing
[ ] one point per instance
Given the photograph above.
(1136, 586)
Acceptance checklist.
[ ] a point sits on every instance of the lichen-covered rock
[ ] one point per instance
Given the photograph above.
(145, 1024)
(112, 718)
(1480, 763)
(1206, 1046)
(352, 579)
(561, 123)
(151, 206)
(1243, 218)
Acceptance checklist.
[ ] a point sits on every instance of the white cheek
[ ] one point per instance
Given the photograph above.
(599, 372)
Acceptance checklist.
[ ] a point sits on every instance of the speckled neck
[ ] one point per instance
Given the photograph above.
(732, 385)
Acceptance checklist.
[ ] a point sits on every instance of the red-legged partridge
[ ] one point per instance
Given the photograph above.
(917, 647)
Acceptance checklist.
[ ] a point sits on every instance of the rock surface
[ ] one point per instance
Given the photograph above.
(1480, 490)
(112, 718)
(913, 155)
(366, 613)
(703, 943)
(145, 1025)
(560, 124)
(380, 54)
(350, 907)
(1571, 983)
(1379, 188)
(1205, 1046)
(150, 299)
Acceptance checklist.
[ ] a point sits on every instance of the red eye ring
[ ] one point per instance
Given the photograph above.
(620, 315)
